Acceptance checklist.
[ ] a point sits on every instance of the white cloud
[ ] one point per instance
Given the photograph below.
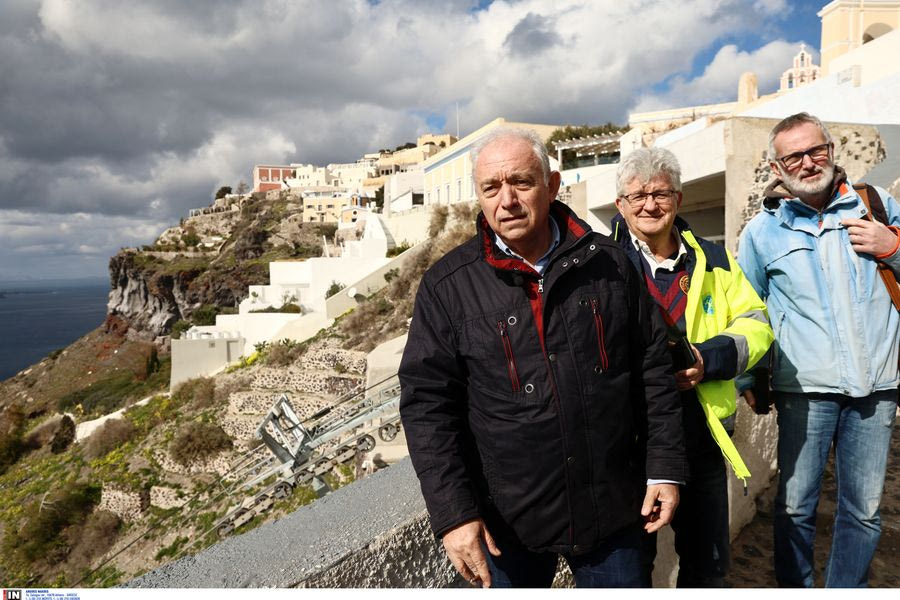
(130, 113)
(719, 80)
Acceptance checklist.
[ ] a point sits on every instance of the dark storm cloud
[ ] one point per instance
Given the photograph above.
(532, 35)
(140, 110)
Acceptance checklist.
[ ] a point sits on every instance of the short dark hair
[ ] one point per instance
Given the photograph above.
(794, 121)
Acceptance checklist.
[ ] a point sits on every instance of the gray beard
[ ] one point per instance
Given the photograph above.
(799, 188)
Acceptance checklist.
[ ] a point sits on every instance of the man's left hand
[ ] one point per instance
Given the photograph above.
(658, 516)
(690, 377)
(870, 237)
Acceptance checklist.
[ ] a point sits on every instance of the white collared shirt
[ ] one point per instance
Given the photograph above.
(669, 264)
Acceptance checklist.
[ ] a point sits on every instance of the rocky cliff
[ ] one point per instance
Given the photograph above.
(152, 294)
(154, 288)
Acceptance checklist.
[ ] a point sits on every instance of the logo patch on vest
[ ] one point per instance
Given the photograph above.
(684, 283)
(708, 305)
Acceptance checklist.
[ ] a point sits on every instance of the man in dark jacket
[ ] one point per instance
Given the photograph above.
(538, 393)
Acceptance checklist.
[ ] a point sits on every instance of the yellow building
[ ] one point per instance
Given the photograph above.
(327, 204)
(448, 174)
(848, 24)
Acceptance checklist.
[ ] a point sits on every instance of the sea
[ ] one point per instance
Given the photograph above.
(38, 317)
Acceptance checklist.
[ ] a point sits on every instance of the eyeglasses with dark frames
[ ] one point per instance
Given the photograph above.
(661, 197)
(795, 159)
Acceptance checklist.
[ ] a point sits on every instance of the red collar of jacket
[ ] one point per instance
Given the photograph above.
(571, 229)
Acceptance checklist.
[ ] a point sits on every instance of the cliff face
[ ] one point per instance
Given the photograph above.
(151, 290)
(149, 300)
(151, 295)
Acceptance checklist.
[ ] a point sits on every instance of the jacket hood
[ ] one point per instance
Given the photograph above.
(776, 191)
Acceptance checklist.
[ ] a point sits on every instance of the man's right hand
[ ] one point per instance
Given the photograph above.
(750, 397)
(463, 546)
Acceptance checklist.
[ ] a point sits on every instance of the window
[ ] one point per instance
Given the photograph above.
(437, 195)
(458, 190)
(448, 193)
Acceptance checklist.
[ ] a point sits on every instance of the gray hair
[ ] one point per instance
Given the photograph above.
(794, 121)
(644, 164)
(519, 133)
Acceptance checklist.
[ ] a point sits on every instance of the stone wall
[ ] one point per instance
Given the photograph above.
(126, 504)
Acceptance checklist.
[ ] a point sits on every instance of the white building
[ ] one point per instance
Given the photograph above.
(361, 266)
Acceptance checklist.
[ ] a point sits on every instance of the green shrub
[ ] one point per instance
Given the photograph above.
(327, 229)
(65, 435)
(179, 328)
(172, 549)
(290, 307)
(333, 289)
(45, 520)
(152, 364)
(398, 250)
(190, 238)
(106, 438)
(198, 441)
(284, 353)
(204, 315)
(12, 444)
(12, 447)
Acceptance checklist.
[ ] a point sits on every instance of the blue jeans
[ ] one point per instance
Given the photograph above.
(860, 429)
(616, 563)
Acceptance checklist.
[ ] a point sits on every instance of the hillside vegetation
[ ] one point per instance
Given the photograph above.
(144, 488)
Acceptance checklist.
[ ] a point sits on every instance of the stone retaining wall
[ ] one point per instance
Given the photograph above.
(126, 504)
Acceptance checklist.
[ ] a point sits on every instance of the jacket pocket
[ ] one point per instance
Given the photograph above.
(603, 363)
(511, 368)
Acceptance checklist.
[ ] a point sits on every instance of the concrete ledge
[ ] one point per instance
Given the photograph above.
(372, 533)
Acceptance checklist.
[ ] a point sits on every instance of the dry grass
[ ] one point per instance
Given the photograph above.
(385, 314)
(90, 541)
(198, 441)
(225, 386)
(199, 392)
(109, 436)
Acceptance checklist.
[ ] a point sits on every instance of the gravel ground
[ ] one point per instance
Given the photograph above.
(752, 553)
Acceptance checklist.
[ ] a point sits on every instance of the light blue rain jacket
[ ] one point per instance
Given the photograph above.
(836, 330)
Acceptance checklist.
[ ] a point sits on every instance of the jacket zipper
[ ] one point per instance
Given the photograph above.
(601, 342)
(510, 359)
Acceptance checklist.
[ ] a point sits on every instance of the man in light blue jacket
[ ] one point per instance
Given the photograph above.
(813, 258)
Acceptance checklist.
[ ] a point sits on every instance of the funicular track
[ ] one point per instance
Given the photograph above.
(299, 452)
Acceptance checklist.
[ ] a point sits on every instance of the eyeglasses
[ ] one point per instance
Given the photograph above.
(795, 159)
(661, 197)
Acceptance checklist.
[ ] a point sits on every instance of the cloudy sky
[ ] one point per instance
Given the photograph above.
(117, 117)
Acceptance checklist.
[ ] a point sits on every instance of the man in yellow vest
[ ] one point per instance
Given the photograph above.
(718, 328)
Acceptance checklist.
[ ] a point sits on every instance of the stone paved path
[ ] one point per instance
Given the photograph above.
(751, 551)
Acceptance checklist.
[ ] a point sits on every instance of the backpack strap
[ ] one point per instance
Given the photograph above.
(872, 201)
(875, 207)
